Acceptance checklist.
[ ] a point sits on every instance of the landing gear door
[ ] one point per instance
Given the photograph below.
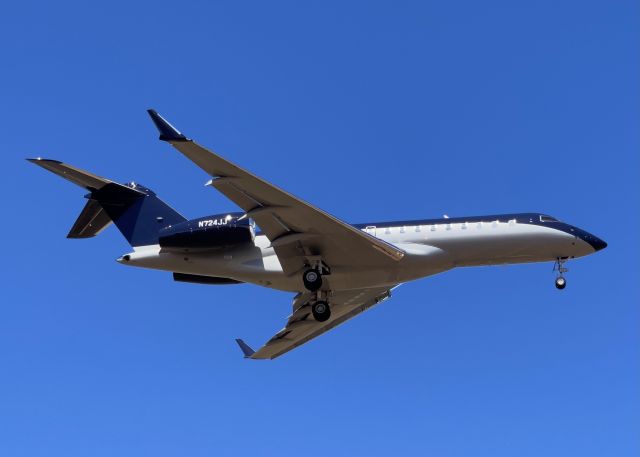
(371, 230)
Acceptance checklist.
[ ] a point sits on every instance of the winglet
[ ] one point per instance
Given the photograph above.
(167, 131)
(245, 348)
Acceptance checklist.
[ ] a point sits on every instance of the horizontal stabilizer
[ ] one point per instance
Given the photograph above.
(137, 211)
(77, 176)
(245, 348)
(92, 220)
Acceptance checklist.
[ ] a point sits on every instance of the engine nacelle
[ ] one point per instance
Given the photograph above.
(208, 232)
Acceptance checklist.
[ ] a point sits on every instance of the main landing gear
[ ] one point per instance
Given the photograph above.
(561, 282)
(312, 276)
(321, 311)
(312, 279)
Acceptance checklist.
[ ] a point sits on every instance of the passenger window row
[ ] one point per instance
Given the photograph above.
(437, 227)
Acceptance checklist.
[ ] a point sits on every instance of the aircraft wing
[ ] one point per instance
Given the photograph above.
(297, 230)
(301, 327)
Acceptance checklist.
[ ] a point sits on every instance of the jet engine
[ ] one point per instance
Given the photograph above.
(208, 232)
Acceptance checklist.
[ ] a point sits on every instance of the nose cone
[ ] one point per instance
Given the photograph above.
(589, 241)
(597, 243)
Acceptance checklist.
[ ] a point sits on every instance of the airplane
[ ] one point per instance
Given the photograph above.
(337, 270)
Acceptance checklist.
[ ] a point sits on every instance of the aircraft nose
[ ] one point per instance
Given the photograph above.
(597, 243)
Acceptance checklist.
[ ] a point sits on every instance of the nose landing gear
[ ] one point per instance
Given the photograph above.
(561, 282)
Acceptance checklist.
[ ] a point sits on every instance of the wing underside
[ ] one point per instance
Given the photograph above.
(301, 327)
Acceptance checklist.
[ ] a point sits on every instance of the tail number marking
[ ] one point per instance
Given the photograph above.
(213, 222)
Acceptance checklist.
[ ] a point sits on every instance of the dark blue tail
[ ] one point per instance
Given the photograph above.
(137, 212)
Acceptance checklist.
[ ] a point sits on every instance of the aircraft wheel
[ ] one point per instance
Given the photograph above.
(321, 311)
(561, 283)
(312, 280)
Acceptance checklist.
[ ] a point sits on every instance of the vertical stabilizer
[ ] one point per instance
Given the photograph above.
(137, 212)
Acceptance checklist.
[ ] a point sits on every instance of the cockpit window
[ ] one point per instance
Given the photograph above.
(545, 218)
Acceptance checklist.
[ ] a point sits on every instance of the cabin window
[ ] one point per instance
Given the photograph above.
(402, 229)
(387, 230)
(448, 227)
(433, 228)
(417, 228)
(463, 226)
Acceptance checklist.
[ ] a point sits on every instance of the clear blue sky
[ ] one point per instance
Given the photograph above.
(408, 110)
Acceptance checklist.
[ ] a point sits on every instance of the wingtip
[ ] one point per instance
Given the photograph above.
(167, 131)
(245, 348)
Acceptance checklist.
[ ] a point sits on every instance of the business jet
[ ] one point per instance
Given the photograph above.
(337, 270)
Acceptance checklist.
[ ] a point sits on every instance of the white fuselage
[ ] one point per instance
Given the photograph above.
(430, 248)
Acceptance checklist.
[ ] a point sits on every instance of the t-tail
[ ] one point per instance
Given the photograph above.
(137, 212)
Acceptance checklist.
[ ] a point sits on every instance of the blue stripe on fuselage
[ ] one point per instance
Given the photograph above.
(521, 218)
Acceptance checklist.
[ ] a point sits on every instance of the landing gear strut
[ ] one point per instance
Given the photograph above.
(321, 311)
(561, 283)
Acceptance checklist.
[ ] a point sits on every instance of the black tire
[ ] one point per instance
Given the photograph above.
(321, 311)
(561, 283)
(312, 280)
